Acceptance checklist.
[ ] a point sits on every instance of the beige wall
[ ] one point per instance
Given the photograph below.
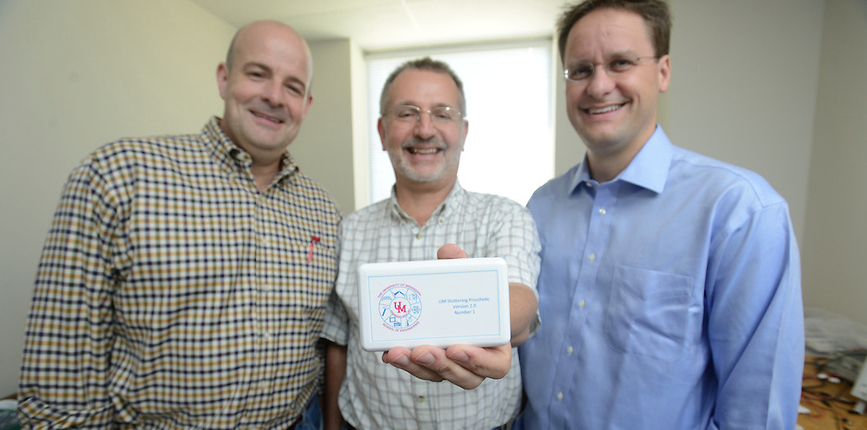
(747, 88)
(834, 245)
(324, 147)
(743, 90)
(75, 75)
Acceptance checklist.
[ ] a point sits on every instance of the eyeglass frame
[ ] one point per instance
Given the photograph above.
(606, 67)
(419, 111)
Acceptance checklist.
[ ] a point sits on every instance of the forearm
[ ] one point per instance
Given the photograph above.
(335, 371)
(523, 307)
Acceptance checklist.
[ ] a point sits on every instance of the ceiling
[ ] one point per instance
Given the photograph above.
(376, 25)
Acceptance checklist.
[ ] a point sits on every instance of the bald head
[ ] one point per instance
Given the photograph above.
(265, 84)
(260, 31)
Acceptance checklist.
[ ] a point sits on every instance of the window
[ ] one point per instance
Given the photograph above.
(510, 145)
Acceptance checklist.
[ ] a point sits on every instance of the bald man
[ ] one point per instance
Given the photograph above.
(184, 279)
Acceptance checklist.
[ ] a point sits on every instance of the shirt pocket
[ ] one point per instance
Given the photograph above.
(648, 313)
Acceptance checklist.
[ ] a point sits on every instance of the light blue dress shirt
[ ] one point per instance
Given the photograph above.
(670, 299)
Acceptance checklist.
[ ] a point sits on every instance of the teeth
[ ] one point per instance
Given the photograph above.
(423, 151)
(604, 110)
(274, 120)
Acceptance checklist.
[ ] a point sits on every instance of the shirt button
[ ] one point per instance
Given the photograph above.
(602, 211)
(569, 350)
(559, 396)
(418, 236)
(420, 399)
(581, 304)
(592, 257)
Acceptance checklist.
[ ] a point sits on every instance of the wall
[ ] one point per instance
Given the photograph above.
(324, 147)
(76, 75)
(834, 247)
(744, 90)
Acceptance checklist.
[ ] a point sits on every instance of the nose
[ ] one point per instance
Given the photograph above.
(424, 127)
(272, 93)
(599, 83)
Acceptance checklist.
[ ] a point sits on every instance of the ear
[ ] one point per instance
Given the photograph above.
(664, 73)
(464, 129)
(222, 79)
(380, 127)
(308, 103)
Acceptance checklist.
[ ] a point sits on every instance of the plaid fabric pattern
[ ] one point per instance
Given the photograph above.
(172, 294)
(377, 395)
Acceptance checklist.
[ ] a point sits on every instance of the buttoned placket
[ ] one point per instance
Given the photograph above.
(256, 289)
(604, 198)
(422, 391)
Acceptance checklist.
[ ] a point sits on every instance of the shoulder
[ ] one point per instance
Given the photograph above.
(131, 152)
(354, 226)
(368, 213)
(120, 159)
(165, 146)
(316, 195)
(554, 190)
(712, 178)
(483, 205)
(483, 200)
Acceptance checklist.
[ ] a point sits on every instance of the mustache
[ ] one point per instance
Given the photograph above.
(431, 142)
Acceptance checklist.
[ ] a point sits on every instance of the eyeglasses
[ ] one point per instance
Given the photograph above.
(412, 114)
(584, 70)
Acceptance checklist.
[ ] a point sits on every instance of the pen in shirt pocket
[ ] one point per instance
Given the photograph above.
(313, 240)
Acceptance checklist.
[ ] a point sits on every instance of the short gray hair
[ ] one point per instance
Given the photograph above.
(429, 64)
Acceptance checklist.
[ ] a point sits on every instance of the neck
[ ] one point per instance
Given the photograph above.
(609, 159)
(420, 200)
(264, 173)
(604, 169)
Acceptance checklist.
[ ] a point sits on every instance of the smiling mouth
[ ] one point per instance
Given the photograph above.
(423, 151)
(269, 118)
(599, 111)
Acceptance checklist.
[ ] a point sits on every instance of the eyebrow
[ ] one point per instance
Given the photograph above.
(267, 68)
(435, 105)
(617, 54)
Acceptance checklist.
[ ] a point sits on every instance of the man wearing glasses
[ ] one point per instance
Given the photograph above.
(670, 283)
(423, 127)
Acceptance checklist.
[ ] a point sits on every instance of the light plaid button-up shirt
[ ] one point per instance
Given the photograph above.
(171, 293)
(375, 395)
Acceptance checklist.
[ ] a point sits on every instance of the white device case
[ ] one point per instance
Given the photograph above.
(434, 302)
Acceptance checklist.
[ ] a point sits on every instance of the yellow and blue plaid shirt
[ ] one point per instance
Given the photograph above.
(172, 294)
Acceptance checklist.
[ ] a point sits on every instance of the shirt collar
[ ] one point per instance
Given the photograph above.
(455, 200)
(649, 169)
(230, 155)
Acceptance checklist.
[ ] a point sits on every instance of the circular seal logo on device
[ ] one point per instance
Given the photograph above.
(399, 307)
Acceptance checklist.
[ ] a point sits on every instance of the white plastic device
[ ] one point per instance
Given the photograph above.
(434, 302)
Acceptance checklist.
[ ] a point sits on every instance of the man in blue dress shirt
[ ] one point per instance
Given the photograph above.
(670, 286)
